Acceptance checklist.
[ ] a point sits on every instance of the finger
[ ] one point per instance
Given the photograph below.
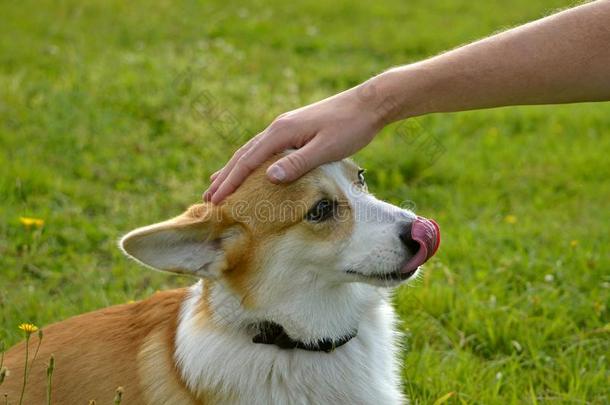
(222, 174)
(250, 160)
(273, 131)
(214, 175)
(299, 162)
(206, 194)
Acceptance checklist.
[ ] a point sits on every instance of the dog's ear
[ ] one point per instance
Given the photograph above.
(191, 243)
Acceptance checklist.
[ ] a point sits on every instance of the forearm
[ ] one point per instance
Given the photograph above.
(559, 59)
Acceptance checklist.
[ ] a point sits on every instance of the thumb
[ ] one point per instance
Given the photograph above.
(296, 163)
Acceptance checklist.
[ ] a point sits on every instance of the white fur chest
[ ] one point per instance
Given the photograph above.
(234, 370)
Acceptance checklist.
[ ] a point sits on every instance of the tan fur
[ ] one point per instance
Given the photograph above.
(97, 352)
(205, 309)
(286, 205)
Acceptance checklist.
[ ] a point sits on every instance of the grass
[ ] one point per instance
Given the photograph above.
(113, 115)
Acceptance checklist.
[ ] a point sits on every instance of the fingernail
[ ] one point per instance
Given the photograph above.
(206, 196)
(276, 173)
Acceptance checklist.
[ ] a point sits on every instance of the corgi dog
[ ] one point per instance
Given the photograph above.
(290, 307)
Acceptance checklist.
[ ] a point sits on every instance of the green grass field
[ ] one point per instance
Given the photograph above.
(113, 115)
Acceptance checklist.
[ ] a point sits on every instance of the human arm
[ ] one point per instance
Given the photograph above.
(562, 58)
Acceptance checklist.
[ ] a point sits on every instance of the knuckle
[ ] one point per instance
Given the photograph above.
(237, 153)
(297, 161)
(245, 148)
(232, 184)
(282, 116)
(281, 124)
(250, 151)
(254, 142)
(244, 164)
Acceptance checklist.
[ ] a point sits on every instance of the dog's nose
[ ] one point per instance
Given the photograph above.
(405, 236)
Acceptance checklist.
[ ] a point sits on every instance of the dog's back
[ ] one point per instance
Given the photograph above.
(125, 345)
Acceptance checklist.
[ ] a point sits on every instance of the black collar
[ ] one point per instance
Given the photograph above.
(270, 333)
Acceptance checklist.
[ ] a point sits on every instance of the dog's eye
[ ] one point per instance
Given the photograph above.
(361, 180)
(321, 211)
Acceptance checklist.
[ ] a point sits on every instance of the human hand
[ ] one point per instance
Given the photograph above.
(571, 49)
(326, 131)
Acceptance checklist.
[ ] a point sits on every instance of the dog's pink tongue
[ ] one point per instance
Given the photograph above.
(427, 233)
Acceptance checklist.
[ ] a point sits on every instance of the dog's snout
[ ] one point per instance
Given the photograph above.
(405, 236)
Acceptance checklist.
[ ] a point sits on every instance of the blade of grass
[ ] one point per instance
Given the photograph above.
(50, 370)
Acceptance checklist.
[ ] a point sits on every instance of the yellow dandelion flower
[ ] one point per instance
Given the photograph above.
(574, 243)
(28, 328)
(28, 222)
(510, 219)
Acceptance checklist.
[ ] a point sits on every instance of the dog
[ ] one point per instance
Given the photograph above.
(291, 306)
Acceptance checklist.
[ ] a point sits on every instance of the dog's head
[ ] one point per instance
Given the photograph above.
(324, 227)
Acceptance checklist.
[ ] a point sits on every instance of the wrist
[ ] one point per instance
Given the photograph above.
(399, 93)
